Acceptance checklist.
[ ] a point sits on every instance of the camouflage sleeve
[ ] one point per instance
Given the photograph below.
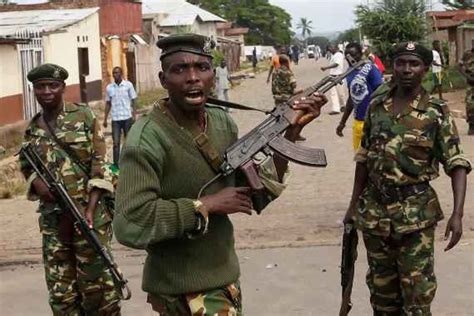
(293, 82)
(100, 176)
(361, 153)
(448, 146)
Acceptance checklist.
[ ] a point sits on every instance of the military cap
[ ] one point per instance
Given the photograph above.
(415, 49)
(47, 72)
(191, 43)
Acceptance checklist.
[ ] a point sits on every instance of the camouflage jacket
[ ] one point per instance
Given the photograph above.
(78, 127)
(283, 84)
(402, 150)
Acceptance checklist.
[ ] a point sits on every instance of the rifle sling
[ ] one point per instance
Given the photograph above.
(233, 105)
(68, 150)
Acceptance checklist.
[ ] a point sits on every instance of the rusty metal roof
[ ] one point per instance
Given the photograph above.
(43, 21)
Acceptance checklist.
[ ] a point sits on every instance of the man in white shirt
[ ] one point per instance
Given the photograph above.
(336, 67)
(222, 81)
(437, 68)
(120, 97)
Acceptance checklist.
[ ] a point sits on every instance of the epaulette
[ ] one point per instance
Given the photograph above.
(441, 105)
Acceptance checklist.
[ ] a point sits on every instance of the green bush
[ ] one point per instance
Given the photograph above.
(218, 56)
(452, 80)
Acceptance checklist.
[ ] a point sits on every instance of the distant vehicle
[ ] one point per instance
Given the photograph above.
(310, 50)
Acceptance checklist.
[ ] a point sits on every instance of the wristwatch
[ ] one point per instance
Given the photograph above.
(202, 215)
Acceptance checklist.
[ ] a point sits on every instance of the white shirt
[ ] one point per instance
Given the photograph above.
(120, 97)
(436, 59)
(337, 58)
(222, 82)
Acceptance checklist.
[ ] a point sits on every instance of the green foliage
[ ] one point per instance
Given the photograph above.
(350, 35)
(460, 4)
(268, 24)
(321, 41)
(391, 22)
(452, 80)
(146, 99)
(218, 56)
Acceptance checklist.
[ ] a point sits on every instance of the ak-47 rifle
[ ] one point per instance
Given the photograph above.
(348, 259)
(59, 191)
(267, 137)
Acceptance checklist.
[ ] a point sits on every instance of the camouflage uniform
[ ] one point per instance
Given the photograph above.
(283, 84)
(221, 301)
(398, 210)
(468, 64)
(77, 281)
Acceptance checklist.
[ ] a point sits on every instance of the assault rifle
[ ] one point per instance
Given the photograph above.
(267, 136)
(348, 259)
(65, 200)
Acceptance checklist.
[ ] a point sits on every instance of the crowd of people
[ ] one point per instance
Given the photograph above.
(400, 136)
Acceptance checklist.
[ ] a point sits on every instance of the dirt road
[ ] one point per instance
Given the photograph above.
(308, 213)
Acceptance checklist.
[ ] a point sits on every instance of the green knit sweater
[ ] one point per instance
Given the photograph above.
(161, 172)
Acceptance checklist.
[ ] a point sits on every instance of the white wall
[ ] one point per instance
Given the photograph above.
(61, 48)
(10, 69)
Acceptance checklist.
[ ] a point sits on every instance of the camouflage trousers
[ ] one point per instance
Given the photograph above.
(77, 282)
(470, 105)
(401, 278)
(224, 301)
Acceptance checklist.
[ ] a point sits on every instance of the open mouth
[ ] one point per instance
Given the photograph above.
(195, 96)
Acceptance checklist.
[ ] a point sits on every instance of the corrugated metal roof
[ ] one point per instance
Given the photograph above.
(178, 10)
(41, 20)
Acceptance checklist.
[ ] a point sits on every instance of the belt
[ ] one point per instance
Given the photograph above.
(390, 195)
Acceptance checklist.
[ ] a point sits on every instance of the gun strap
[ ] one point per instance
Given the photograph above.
(233, 105)
(68, 150)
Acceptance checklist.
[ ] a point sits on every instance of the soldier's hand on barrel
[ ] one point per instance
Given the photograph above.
(308, 108)
(453, 228)
(42, 190)
(228, 201)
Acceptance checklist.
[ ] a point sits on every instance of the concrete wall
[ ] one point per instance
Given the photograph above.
(62, 48)
(10, 70)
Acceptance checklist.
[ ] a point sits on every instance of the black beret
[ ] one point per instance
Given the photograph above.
(191, 43)
(47, 72)
(415, 49)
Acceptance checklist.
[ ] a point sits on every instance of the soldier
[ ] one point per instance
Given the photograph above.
(191, 267)
(406, 135)
(284, 84)
(76, 278)
(467, 69)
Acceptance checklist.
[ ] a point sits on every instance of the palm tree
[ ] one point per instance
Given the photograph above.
(305, 26)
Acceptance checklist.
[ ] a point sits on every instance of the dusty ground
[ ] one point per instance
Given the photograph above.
(308, 213)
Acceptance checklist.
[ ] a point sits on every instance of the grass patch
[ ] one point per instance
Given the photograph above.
(261, 66)
(147, 98)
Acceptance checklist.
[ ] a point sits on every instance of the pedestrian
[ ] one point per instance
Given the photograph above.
(407, 134)
(222, 81)
(437, 69)
(254, 59)
(120, 97)
(70, 142)
(275, 63)
(467, 69)
(296, 54)
(361, 84)
(336, 68)
(375, 60)
(191, 266)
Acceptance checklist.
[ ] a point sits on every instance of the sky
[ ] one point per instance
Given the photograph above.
(326, 15)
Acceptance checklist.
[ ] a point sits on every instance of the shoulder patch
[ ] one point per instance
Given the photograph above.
(441, 105)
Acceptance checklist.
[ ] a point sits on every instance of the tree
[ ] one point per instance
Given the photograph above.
(460, 4)
(392, 21)
(268, 24)
(320, 41)
(305, 26)
(350, 35)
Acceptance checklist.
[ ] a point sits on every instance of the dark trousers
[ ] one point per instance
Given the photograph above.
(117, 128)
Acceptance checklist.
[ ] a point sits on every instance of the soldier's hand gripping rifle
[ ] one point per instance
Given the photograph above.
(267, 138)
(59, 191)
(348, 259)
